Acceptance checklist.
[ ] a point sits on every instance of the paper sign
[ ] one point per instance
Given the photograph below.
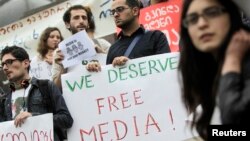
(100, 57)
(40, 69)
(165, 17)
(76, 48)
(37, 128)
(140, 101)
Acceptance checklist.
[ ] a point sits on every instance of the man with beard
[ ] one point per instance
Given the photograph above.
(77, 18)
(126, 16)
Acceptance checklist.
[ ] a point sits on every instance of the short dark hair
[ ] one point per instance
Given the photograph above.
(67, 14)
(133, 3)
(17, 52)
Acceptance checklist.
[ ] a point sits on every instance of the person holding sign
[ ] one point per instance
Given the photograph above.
(30, 96)
(76, 19)
(215, 62)
(41, 64)
(134, 41)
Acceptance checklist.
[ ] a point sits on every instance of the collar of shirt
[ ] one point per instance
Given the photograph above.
(138, 31)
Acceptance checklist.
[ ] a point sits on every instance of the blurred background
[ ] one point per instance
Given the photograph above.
(13, 10)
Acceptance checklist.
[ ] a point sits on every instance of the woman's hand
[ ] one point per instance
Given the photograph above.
(236, 51)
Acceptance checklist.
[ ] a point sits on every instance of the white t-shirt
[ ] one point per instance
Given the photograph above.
(19, 101)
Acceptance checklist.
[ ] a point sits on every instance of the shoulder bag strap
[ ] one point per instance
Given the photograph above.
(132, 44)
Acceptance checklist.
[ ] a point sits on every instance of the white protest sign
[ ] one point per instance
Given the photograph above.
(140, 101)
(76, 48)
(100, 57)
(40, 69)
(34, 128)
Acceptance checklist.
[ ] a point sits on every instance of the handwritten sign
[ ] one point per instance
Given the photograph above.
(140, 101)
(76, 48)
(30, 130)
(40, 69)
(165, 17)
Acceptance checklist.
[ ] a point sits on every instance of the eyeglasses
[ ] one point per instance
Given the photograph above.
(118, 10)
(208, 14)
(8, 62)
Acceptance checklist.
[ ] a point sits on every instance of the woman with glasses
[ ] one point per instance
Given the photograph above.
(214, 62)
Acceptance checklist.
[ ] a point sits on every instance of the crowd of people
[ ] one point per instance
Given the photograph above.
(214, 63)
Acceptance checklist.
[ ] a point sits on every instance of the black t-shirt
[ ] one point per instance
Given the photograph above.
(150, 43)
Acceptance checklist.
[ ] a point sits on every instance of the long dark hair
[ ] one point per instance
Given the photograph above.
(42, 45)
(200, 71)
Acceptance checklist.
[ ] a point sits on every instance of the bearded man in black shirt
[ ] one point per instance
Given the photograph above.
(133, 40)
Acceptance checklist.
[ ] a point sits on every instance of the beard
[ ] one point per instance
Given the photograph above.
(125, 24)
(75, 30)
(16, 78)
